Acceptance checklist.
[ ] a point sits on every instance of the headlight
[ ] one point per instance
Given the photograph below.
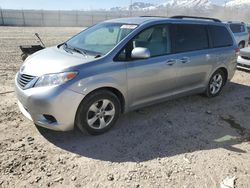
(55, 79)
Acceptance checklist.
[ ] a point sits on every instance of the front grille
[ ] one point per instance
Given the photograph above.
(244, 65)
(24, 79)
(244, 57)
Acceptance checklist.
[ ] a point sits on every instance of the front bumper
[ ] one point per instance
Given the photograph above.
(243, 63)
(55, 101)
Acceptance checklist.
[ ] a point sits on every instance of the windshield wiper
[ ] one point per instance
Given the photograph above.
(97, 56)
(79, 51)
(65, 47)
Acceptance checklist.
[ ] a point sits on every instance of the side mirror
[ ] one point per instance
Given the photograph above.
(140, 53)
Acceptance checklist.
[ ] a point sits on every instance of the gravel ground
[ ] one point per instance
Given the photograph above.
(188, 142)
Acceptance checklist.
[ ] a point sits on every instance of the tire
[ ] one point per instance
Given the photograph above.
(216, 84)
(241, 45)
(98, 112)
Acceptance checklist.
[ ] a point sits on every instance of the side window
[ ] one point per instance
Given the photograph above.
(237, 28)
(122, 34)
(189, 37)
(243, 28)
(220, 36)
(156, 39)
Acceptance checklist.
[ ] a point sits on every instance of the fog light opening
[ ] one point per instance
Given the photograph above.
(49, 118)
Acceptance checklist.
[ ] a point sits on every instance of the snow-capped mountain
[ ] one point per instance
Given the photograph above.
(141, 5)
(137, 6)
(186, 4)
(238, 3)
(204, 4)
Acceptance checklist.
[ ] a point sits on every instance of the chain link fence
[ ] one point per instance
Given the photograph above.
(76, 18)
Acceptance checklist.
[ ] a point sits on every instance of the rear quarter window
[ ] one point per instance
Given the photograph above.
(189, 37)
(220, 36)
(237, 28)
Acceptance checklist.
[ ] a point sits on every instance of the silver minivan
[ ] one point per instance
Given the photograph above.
(240, 32)
(121, 65)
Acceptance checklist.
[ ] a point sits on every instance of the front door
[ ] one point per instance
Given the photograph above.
(154, 78)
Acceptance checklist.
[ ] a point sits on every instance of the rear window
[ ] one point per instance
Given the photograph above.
(237, 28)
(189, 37)
(220, 36)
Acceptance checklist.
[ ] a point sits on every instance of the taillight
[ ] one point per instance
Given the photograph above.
(237, 51)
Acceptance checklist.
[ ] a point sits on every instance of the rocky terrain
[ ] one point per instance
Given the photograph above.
(187, 142)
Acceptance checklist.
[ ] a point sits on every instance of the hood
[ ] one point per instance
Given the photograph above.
(245, 52)
(52, 60)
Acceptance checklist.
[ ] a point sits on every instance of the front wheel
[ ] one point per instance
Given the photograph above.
(216, 83)
(98, 112)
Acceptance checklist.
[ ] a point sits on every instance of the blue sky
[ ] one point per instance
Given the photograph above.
(70, 4)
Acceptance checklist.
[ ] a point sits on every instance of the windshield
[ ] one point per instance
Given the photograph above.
(101, 38)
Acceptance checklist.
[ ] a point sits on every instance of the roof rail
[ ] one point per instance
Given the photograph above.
(196, 17)
(153, 16)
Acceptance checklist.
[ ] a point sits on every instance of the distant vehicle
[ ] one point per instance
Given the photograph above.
(243, 61)
(240, 32)
(121, 65)
(248, 28)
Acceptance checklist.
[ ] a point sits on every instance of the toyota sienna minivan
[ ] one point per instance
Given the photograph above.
(240, 32)
(121, 65)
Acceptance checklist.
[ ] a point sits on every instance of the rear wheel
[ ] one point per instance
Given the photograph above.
(241, 45)
(98, 112)
(216, 83)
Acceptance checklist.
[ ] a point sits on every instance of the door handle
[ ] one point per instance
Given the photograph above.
(185, 60)
(171, 62)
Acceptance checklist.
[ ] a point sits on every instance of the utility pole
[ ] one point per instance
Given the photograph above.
(226, 10)
(1, 11)
(130, 8)
(225, 3)
(42, 16)
(24, 22)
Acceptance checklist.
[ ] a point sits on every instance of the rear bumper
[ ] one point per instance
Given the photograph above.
(57, 102)
(243, 63)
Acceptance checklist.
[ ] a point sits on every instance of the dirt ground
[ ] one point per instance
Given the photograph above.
(188, 142)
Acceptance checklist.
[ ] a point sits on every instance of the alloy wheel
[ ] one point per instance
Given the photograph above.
(100, 114)
(216, 84)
